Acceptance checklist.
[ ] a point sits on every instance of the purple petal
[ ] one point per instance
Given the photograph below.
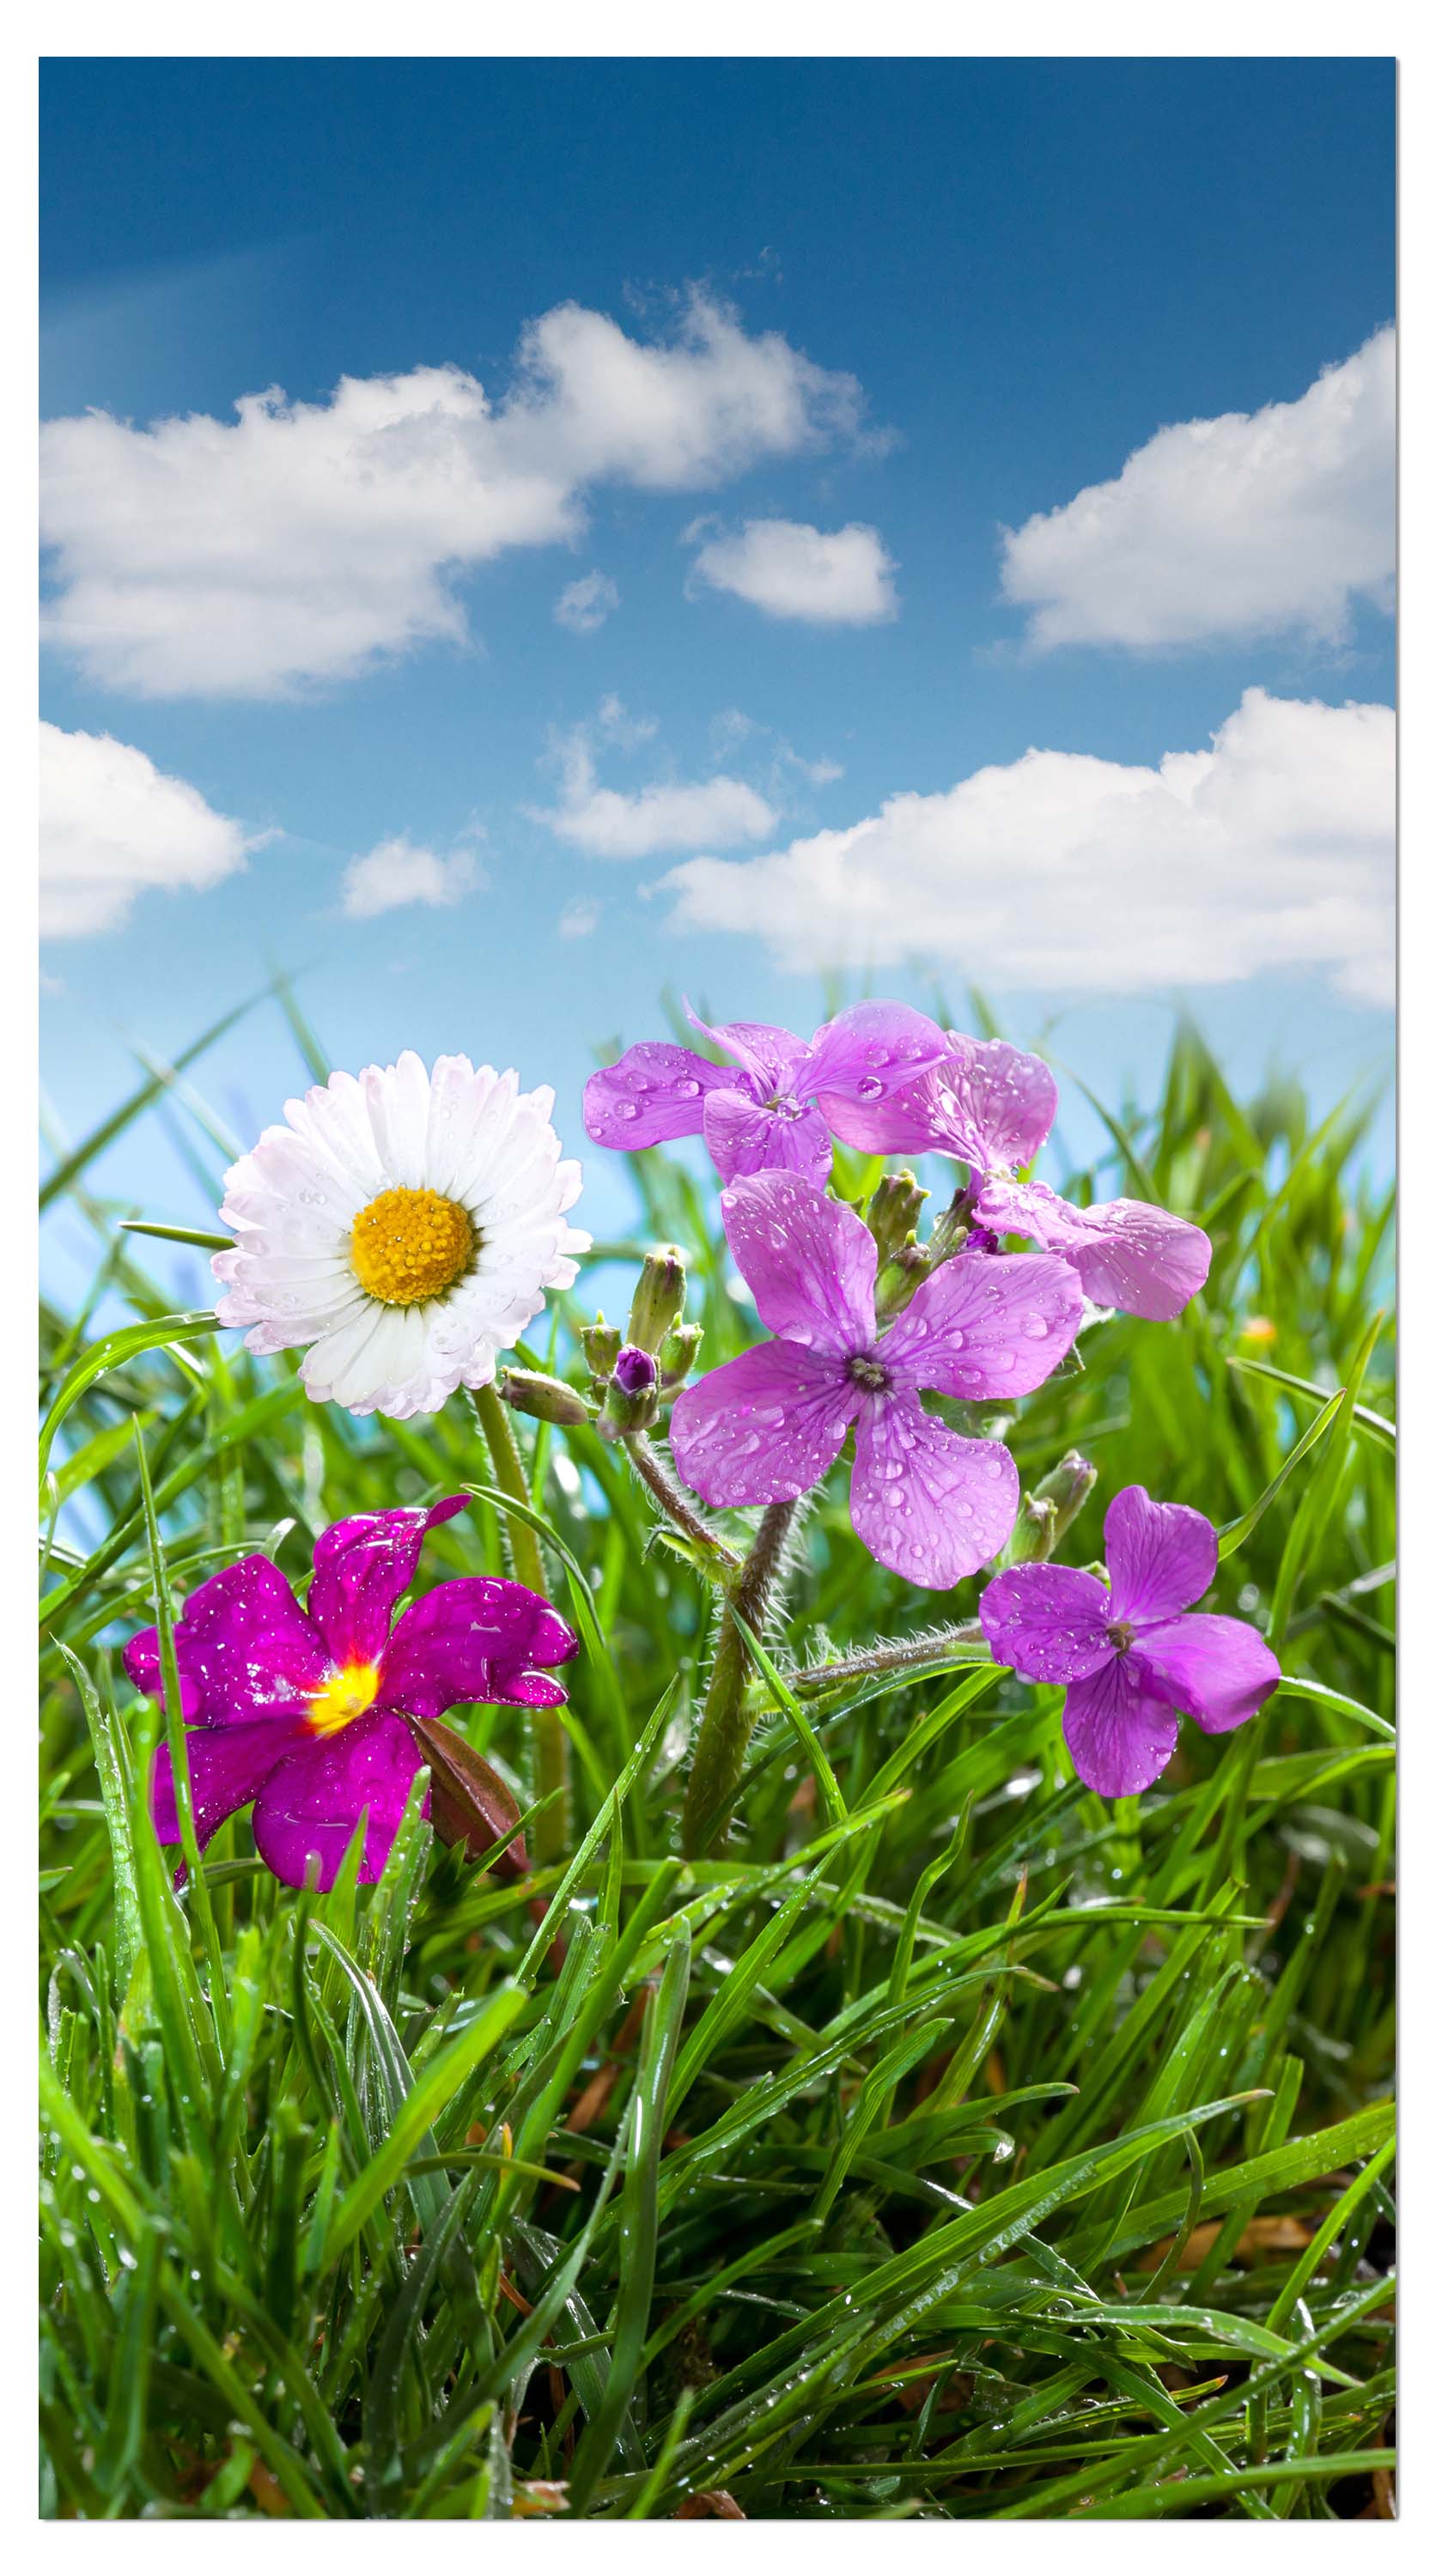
(810, 1262)
(763, 1428)
(361, 1568)
(928, 1504)
(244, 1648)
(896, 1124)
(1161, 1557)
(743, 1136)
(474, 1639)
(634, 1370)
(1128, 1255)
(997, 1104)
(228, 1766)
(986, 1329)
(1047, 1622)
(1120, 1736)
(651, 1095)
(871, 1051)
(1217, 1670)
(313, 1799)
(769, 1056)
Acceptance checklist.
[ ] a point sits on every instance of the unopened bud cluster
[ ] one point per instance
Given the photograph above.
(634, 1372)
(1049, 1510)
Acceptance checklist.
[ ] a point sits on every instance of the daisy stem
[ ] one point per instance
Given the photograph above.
(727, 1721)
(551, 1827)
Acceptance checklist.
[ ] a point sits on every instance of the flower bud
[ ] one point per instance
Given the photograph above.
(600, 1344)
(893, 1212)
(900, 1278)
(679, 1353)
(631, 1403)
(1034, 1532)
(546, 1398)
(1067, 1488)
(658, 1298)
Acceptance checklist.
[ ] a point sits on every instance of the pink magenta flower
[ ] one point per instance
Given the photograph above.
(992, 1107)
(765, 1427)
(771, 1110)
(1135, 1658)
(302, 1711)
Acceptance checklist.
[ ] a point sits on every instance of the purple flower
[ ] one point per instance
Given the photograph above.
(992, 1107)
(767, 1426)
(302, 1711)
(773, 1108)
(1133, 1658)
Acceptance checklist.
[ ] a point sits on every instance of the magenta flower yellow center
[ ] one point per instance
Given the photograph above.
(346, 1694)
(410, 1245)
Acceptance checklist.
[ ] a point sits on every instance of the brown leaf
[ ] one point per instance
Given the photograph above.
(1284, 2234)
(714, 2503)
(469, 1803)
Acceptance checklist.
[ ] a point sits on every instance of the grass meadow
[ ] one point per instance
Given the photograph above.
(953, 2145)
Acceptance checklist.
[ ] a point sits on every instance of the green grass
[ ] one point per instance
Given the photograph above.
(953, 2146)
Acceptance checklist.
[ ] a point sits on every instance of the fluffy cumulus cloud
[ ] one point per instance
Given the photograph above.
(838, 577)
(302, 542)
(112, 825)
(586, 603)
(401, 871)
(1273, 849)
(1256, 523)
(714, 813)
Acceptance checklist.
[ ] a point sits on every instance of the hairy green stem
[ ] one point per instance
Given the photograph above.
(727, 1721)
(674, 1505)
(890, 1655)
(551, 1828)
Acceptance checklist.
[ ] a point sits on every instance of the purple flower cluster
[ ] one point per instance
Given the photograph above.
(985, 1326)
(1133, 1658)
(776, 1107)
(766, 1427)
(301, 1712)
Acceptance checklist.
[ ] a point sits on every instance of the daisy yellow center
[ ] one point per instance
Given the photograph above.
(345, 1696)
(410, 1245)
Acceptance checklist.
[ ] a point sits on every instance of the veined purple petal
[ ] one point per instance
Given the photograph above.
(744, 1136)
(996, 1104)
(765, 1427)
(1219, 1671)
(244, 1648)
(810, 1262)
(895, 1124)
(651, 1095)
(228, 1766)
(1137, 1258)
(1047, 1622)
(362, 1567)
(769, 1056)
(926, 1503)
(869, 1052)
(313, 1799)
(1120, 1735)
(1161, 1557)
(986, 1330)
(474, 1639)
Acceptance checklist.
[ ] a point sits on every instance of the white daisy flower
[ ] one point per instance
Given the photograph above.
(405, 1226)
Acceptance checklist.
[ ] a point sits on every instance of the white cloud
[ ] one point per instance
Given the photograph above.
(579, 920)
(401, 871)
(1252, 524)
(111, 825)
(585, 604)
(1273, 849)
(305, 541)
(612, 823)
(837, 577)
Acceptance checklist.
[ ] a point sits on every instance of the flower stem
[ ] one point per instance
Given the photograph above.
(727, 1722)
(674, 1505)
(890, 1655)
(551, 1828)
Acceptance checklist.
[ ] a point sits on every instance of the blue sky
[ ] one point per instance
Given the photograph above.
(903, 305)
